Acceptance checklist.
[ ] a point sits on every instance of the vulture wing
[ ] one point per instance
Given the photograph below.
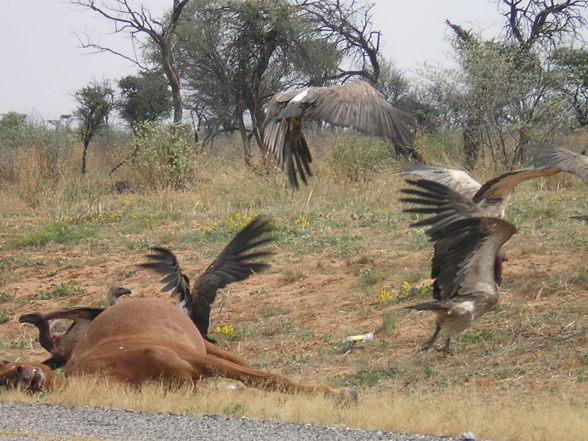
(362, 107)
(237, 261)
(81, 313)
(165, 262)
(457, 180)
(547, 155)
(471, 246)
(500, 188)
(446, 204)
(355, 104)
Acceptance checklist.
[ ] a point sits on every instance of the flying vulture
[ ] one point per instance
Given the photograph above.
(356, 104)
(236, 262)
(464, 271)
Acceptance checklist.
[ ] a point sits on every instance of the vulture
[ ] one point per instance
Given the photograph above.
(60, 330)
(548, 155)
(468, 197)
(464, 287)
(356, 104)
(236, 262)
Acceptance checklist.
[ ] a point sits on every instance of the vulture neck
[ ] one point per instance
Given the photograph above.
(185, 304)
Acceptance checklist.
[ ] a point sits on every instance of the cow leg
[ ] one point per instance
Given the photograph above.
(213, 349)
(211, 365)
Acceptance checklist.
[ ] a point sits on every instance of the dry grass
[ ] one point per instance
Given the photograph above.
(513, 415)
(521, 373)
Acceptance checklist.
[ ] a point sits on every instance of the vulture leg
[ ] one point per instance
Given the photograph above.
(445, 347)
(429, 343)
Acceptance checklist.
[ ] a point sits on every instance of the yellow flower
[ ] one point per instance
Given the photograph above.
(405, 286)
(302, 221)
(383, 295)
(226, 329)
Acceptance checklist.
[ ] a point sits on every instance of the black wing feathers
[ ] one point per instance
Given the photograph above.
(237, 261)
(434, 198)
(163, 261)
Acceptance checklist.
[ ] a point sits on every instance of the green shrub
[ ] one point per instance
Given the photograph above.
(164, 156)
(358, 158)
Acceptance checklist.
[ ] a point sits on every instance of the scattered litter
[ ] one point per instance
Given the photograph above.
(361, 337)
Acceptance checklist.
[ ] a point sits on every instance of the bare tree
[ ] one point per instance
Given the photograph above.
(546, 22)
(135, 20)
(348, 27)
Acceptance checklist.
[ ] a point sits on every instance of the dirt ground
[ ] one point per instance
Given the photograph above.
(294, 317)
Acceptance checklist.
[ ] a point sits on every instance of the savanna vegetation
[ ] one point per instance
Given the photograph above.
(346, 261)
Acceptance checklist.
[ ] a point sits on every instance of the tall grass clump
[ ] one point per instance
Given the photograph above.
(359, 158)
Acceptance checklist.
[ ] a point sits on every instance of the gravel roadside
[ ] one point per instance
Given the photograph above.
(22, 421)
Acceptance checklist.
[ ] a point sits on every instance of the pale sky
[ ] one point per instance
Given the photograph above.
(43, 64)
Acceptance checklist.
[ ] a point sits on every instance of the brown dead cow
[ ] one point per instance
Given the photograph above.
(148, 339)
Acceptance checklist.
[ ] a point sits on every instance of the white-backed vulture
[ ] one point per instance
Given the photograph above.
(236, 262)
(464, 266)
(356, 104)
(60, 345)
(475, 199)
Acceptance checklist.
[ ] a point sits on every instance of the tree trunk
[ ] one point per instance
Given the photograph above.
(173, 78)
(85, 156)
(471, 139)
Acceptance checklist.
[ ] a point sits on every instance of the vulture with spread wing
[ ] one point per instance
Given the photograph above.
(59, 331)
(236, 262)
(548, 155)
(464, 197)
(357, 105)
(464, 266)
(491, 198)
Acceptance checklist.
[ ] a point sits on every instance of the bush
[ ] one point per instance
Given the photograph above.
(164, 155)
(359, 158)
